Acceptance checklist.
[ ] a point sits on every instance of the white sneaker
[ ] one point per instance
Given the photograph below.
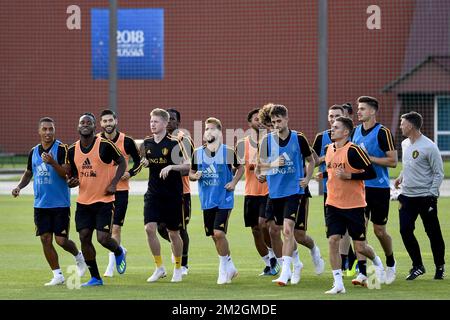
(390, 274)
(380, 274)
(184, 270)
(177, 275)
(284, 278)
(111, 266)
(157, 274)
(81, 266)
(360, 280)
(223, 277)
(231, 273)
(336, 290)
(319, 263)
(296, 275)
(57, 280)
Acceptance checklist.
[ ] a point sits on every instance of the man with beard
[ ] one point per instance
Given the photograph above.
(211, 166)
(127, 146)
(91, 159)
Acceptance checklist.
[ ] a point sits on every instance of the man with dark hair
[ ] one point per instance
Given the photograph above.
(323, 139)
(377, 141)
(348, 110)
(188, 145)
(92, 161)
(347, 166)
(284, 151)
(420, 180)
(127, 146)
(47, 162)
(255, 194)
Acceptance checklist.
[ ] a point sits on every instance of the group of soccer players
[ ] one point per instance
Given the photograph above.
(278, 164)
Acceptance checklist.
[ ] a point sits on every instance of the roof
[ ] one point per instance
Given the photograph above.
(439, 63)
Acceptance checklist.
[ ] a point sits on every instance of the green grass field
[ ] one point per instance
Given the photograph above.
(24, 269)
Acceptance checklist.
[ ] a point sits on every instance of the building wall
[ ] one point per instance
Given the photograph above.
(222, 58)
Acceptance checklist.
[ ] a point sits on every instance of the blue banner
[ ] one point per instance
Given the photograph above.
(140, 43)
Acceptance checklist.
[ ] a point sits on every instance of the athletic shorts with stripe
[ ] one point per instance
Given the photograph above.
(283, 208)
(215, 219)
(95, 216)
(378, 200)
(121, 205)
(254, 208)
(162, 209)
(52, 220)
(338, 221)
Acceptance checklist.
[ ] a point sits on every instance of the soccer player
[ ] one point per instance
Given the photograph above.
(255, 193)
(127, 146)
(347, 166)
(420, 180)
(188, 145)
(323, 139)
(91, 159)
(377, 141)
(284, 150)
(47, 162)
(163, 201)
(274, 230)
(211, 166)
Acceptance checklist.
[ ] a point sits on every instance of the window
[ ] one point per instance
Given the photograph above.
(442, 124)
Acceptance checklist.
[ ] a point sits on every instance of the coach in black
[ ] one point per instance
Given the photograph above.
(420, 179)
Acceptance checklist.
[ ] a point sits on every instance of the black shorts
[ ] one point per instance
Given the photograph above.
(254, 207)
(186, 208)
(301, 223)
(98, 216)
(121, 205)
(167, 210)
(52, 220)
(378, 200)
(285, 208)
(338, 221)
(215, 219)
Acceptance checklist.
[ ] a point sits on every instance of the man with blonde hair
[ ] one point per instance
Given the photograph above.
(211, 166)
(163, 199)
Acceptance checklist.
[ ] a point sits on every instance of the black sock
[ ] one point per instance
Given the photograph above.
(118, 251)
(343, 261)
(362, 267)
(93, 269)
(351, 257)
(390, 260)
(184, 261)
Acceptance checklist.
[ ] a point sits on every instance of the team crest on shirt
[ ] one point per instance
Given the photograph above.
(165, 151)
(415, 154)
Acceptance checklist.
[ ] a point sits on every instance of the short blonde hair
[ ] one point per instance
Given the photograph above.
(160, 113)
(214, 121)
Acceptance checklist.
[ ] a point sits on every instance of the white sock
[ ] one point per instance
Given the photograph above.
(223, 262)
(286, 264)
(337, 275)
(314, 250)
(230, 262)
(280, 261)
(377, 261)
(266, 260)
(79, 257)
(57, 273)
(112, 259)
(295, 258)
(271, 254)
